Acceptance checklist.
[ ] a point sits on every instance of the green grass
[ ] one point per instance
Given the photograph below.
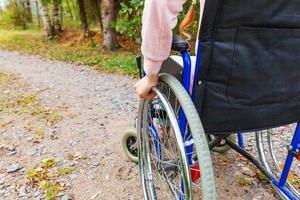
(45, 174)
(48, 163)
(17, 103)
(86, 53)
(65, 171)
(244, 182)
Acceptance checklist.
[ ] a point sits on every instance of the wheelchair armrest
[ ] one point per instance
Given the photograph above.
(179, 44)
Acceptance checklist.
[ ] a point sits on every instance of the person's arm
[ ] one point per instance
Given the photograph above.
(159, 19)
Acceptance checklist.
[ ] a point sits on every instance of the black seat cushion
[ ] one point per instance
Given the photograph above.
(179, 44)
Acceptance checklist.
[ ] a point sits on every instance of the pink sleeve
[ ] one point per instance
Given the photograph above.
(159, 19)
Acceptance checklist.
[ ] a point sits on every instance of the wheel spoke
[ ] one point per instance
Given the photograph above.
(275, 143)
(162, 149)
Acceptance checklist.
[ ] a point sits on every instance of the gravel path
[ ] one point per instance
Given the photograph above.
(96, 109)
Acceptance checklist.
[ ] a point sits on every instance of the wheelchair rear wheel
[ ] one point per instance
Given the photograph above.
(167, 170)
(273, 146)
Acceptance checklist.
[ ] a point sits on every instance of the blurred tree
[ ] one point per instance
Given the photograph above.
(98, 10)
(130, 19)
(46, 19)
(112, 16)
(38, 13)
(83, 18)
(14, 15)
(56, 16)
(109, 12)
(27, 7)
(69, 9)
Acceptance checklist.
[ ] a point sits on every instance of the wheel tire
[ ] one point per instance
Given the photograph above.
(271, 159)
(199, 137)
(224, 148)
(129, 134)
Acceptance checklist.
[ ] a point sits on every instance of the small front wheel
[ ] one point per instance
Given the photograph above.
(222, 147)
(129, 143)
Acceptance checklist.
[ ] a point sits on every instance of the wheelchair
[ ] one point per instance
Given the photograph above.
(246, 80)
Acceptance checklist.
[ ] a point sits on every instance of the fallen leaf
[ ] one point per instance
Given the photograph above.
(95, 195)
(290, 175)
(5, 123)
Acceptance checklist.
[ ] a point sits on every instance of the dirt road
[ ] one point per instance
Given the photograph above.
(73, 117)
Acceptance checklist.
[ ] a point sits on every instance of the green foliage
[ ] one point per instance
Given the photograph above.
(130, 18)
(194, 28)
(48, 163)
(65, 171)
(13, 17)
(52, 191)
(129, 24)
(262, 176)
(244, 181)
(119, 61)
(22, 104)
(44, 176)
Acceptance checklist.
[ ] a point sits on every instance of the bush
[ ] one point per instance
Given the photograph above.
(130, 19)
(13, 17)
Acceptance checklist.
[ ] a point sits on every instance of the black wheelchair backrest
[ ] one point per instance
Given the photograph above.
(250, 65)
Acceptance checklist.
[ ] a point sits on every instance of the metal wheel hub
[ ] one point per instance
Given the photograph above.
(132, 145)
(168, 168)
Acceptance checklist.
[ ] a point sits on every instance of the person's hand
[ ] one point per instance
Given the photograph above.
(143, 86)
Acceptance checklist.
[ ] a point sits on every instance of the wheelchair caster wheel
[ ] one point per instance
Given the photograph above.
(130, 146)
(222, 147)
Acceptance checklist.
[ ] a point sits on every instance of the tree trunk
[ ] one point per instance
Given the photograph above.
(70, 10)
(21, 20)
(46, 20)
(61, 15)
(98, 9)
(83, 18)
(38, 13)
(56, 17)
(74, 6)
(27, 8)
(109, 12)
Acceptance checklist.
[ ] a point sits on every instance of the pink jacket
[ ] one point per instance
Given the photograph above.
(159, 19)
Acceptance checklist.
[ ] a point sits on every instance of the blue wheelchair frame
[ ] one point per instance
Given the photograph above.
(294, 148)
